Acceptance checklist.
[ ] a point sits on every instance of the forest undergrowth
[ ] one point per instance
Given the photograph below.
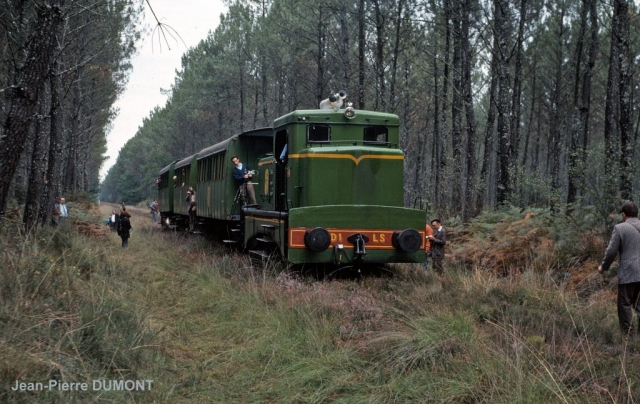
(520, 315)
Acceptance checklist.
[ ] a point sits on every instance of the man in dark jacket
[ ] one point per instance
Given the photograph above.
(124, 228)
(438, 240)
(242, 174)
(625, 240)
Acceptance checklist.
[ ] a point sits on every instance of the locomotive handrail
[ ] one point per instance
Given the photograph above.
(351, 143)
(265, 213)
(417, 199)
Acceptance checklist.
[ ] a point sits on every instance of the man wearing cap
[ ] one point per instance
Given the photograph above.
(625, 241)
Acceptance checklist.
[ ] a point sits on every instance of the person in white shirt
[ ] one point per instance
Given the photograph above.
(64, 211)
(60, 210)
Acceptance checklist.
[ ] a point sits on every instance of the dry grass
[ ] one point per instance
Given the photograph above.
(208, 326)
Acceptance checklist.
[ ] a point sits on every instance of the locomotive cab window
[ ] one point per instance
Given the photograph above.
(375, 135)
(318, 134)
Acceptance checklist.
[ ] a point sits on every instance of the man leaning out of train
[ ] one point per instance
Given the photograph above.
(243, 176)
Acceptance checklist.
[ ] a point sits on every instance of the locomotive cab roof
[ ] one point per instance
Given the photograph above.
(327, 116)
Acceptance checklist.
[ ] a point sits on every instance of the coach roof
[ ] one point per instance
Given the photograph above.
(224, 145)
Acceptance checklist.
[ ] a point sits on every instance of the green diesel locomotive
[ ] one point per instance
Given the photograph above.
(328, 186)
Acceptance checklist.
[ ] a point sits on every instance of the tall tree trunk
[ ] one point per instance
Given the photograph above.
(456, 107)
(406, 135)
(436, 149)
(441, 197)
(361, 59)
(72, 178)
(516, 105)
(24, 94)
(484, 187)
(320, 38)
(612, 156)
(504, 135)
(345, 47)
(53, 178)
(580, 139)
(517, 85)
(575, 167)
(557, 114)
(626, 126)
(256, 106)
(534, 98)
(38, 168)
(380, 21)
(395, 56)
(265, 89)
(470, 192)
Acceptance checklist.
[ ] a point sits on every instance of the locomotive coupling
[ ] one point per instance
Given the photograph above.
(359, 241)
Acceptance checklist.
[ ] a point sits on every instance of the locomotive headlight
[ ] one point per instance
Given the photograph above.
(317, 240)
(408, 240)
(350, 112)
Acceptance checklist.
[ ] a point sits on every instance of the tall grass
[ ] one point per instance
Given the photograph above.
(211, 326)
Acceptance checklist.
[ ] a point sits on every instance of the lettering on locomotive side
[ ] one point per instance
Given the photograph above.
(378, 239)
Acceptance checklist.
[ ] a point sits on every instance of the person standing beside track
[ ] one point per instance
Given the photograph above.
(438, 240)
(625, 240)
(191, 200)
(154, 211)
(428, 232)
(124, 227)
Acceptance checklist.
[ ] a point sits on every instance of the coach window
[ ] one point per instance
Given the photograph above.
(221, 161)
(202, 170)
(375, 135)
(318, 134)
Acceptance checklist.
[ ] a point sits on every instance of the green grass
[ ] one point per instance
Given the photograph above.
(206, 326)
